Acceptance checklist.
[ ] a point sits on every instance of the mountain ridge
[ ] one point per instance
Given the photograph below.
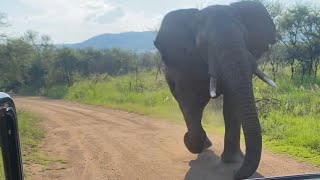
(134, 41)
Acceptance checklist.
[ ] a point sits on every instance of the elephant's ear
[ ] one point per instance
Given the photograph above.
(257, 21)
(175, 39)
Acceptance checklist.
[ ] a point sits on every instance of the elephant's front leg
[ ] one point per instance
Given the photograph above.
(195, 139)
(192, 95)
(232, 152)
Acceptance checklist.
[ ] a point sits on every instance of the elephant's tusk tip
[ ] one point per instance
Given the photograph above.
(213, 94)
(271, 83)
(213, 83)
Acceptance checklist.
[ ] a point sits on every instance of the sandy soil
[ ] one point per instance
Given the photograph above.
(102, 143)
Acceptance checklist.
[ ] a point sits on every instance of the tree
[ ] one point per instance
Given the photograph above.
(290, 28)
(275, 54)
(311, 38)
(16, 59)
(300, 33)
(66, 62)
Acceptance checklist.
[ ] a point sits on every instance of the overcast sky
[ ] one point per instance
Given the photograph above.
(70, 21)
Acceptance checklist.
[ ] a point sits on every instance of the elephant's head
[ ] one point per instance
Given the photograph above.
(232, 39)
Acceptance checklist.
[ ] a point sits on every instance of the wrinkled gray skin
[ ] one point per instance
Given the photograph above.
(222, 42)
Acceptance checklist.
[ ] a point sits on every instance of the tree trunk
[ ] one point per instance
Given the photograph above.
(292, 68)
(67, 76)
(302, 73)
(315, 69)
(273, 70)
(310, 68)
(158, 72)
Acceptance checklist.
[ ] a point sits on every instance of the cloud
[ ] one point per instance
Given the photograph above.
(110, 16)
(95, 4)
(3, 19)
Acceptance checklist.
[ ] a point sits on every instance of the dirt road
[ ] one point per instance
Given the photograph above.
(101, 143)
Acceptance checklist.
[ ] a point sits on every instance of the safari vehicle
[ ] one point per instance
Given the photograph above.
(10, 144)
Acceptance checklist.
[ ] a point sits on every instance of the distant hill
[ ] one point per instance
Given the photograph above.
(136, 41)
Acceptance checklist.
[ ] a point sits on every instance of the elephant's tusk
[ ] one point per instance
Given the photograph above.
(213, 84)
(264, 78)
(271, 83)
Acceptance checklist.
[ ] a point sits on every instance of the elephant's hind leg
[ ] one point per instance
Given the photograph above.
(232, 152)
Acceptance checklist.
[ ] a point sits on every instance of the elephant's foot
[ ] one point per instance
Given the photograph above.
(196, 143)
(229, 157)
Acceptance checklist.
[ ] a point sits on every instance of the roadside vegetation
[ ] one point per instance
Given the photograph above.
(131, 81)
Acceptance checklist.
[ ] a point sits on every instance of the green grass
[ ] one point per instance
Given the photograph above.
(290, 119)
(289, 114)
(144, 96)
(55, 92)
(31, 134)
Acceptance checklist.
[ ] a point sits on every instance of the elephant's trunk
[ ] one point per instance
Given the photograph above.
(252, 132)
(237, 85)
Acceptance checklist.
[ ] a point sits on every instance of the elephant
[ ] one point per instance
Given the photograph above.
(212, 52)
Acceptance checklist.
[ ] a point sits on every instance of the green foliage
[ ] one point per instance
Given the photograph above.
(31, 64)
(55, 92)
(289, 117)
(299, 32)
(30, 132)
